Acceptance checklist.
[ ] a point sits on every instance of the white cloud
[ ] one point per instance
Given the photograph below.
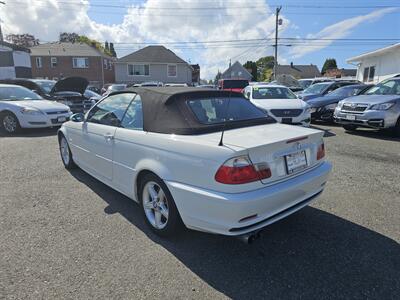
(335, 31)
(47, 18)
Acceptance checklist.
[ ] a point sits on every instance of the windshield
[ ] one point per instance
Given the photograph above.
(117, 87)
(235, 84)
(11, 93)
(389, 87)
(89, 94)
(305, 83)
(272, 93)
(46, 85)
(317, 88)
(218, 110)
(347, 91)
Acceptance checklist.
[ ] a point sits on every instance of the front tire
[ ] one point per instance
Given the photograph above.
(66, 155)
(158, 206)
(9, 123)
(350, 127)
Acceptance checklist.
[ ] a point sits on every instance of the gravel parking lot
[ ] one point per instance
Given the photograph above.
(66, 235)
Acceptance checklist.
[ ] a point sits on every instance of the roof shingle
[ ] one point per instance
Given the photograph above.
(152, 54)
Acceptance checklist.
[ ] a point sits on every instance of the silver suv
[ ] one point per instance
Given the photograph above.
(378, 108)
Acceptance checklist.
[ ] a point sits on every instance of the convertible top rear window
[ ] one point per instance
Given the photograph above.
(217, 110)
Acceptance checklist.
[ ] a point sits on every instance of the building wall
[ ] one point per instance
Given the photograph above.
(386, 66)
(14, 64)
(64, 68)
(236, 71)
(157, 72)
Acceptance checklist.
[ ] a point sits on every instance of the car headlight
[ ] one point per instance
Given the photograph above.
(339, 105)
(308, 110)
(30, 111)
(382, 106)
(66, 102)
(330, 106)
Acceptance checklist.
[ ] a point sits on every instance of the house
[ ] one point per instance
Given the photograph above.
(61, 59)
(15, 61)
(377, 65)
(298, 71)
(339, 73)
(236, 71)
(153, 63)
(196, 74)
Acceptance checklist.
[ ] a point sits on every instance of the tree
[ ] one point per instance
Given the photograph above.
(23, 40)
(330, 63)
(69, 37)
(106, 46)
(251, 66)
(112, 51)
(265, 67)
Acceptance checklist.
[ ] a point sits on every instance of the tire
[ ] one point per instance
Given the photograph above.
(396, 129)
(66, 154)
(9, 123)
(350, 127)
(158, 206)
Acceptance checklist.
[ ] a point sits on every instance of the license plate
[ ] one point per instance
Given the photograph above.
(287, 120)
(61, 119)
(296, 162)
(350, 117)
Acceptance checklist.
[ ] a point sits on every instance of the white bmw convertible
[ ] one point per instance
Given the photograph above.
(205, 159)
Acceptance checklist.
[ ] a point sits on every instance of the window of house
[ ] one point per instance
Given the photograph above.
(110, 64)
(53, 62)
(80, 62)
(171, 70)
(105, 64)
(369, 74)
(139, 70)
(38, 62)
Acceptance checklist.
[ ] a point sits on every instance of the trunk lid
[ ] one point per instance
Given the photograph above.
(272, 144)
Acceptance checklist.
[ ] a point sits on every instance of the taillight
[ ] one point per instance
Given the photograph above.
(321, 151)
(240, 170)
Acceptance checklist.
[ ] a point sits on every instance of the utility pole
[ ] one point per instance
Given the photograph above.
(277, 23)
(1, 33)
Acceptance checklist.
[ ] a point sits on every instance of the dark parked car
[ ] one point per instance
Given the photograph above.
(321, 89)
(322, 108)
(69, 91)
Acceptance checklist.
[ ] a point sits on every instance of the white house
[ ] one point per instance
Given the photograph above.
(15, 61)
(377, 65)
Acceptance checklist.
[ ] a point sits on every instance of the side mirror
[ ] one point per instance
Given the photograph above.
(78, 117)
(248, 95)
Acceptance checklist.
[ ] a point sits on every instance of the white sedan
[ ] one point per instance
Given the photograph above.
(280, 103)
(205, 159)
(22, 108)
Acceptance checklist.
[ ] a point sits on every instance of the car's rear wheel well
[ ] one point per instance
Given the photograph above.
(139, 180)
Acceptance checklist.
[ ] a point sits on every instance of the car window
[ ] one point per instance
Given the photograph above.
(133, 118)
(111, 110)
(272, 93)
(316, 88)
(13, 93)
(219, 110)
(389, 87)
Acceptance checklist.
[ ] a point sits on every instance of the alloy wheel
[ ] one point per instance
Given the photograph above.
(10, 124)
(155, 205)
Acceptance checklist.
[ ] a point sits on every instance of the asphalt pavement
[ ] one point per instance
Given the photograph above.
(65, 235)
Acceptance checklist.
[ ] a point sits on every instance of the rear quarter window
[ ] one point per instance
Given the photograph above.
(218, 110)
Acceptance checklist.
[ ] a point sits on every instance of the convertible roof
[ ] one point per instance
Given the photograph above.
(165, 109)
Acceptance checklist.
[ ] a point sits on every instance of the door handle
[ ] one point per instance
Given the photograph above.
(109, 137)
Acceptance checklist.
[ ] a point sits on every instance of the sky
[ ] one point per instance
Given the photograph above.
(213, 32)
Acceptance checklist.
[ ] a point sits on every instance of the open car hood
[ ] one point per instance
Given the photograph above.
(71, 84)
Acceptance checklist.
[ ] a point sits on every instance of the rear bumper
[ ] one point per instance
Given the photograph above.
(221, 213)
(372, 118)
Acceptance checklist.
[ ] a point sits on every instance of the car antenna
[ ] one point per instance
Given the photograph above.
(225, 121)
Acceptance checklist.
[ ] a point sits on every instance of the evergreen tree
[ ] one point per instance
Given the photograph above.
(330, 63)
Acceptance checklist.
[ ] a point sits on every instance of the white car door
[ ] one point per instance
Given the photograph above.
(98, 133)
(128, 148)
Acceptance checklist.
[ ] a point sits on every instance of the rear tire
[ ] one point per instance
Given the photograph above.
(66, 154)
(9, 123)
(158, 206)
(350, 127)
